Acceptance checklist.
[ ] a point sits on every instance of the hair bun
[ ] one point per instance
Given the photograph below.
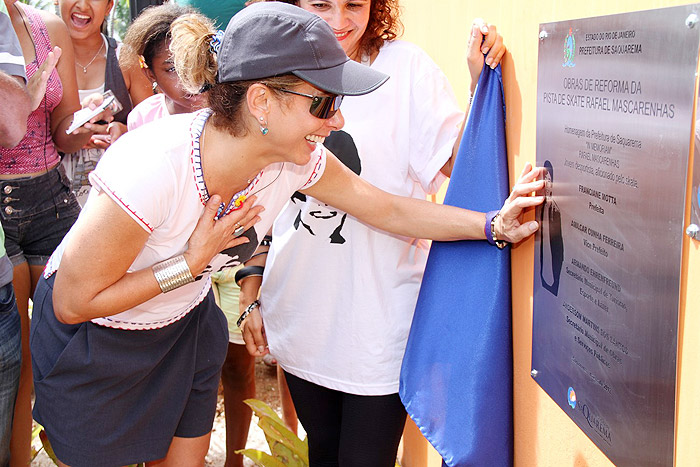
(194, 61)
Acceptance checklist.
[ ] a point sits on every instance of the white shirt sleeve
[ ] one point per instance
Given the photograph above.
(435, 122)
(127, 176)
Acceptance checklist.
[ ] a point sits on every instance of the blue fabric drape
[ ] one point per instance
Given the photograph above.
(457, 378)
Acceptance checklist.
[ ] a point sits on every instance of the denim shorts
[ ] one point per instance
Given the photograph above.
(10, 357)
(109, 397)
(36, 213)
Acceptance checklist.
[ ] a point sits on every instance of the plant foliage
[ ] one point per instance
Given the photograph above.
(286, 449)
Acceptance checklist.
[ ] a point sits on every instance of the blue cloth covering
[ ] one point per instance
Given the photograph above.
(456, 378)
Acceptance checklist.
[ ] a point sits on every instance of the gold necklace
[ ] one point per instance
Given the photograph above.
(93, 58)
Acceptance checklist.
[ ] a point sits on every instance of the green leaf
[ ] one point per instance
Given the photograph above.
(261, 409)
(261, 458)
(284, 444)
(287, 456)
(285, 437)
(47, 446)
(35, 432)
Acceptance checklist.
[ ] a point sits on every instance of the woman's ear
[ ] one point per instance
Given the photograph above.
(103, 26)
(149, 74)
(259, 99)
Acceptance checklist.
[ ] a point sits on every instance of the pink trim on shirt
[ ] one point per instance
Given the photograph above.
(114, 196)
(314, 174)
(151, 325)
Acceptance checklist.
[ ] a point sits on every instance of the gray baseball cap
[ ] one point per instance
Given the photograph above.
(269, 39)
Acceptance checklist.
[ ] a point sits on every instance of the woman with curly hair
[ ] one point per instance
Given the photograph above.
(147, 46)
(339, 330)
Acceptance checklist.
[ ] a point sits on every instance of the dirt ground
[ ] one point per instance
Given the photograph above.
(266, 387)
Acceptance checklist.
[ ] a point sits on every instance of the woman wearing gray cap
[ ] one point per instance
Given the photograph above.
(127, 342)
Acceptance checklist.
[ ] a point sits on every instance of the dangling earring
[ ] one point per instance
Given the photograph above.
(263, 127)
(55, 5)
(154, 86)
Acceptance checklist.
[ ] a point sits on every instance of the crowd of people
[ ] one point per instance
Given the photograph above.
(229, 163)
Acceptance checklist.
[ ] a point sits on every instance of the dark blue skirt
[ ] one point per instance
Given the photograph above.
(110, 397)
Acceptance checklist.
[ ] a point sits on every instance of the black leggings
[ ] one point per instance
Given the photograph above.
(347, 430)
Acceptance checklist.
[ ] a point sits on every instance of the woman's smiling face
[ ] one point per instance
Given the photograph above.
(295, 130)
(347, 18)
(84, 17)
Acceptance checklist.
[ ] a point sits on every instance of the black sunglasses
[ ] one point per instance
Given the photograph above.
(321, 106)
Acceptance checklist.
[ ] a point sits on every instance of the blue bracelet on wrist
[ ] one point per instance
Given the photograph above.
(490, 230)
(487, 226)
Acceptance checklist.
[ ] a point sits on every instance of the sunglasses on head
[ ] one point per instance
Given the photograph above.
(321, 106)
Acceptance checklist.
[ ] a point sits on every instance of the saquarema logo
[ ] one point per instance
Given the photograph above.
(569, 50)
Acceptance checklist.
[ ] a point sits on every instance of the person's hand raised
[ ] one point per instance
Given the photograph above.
(485, 47)
(36, 86)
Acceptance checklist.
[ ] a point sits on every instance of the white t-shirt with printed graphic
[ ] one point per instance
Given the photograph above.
(338, 296)
(155, 175)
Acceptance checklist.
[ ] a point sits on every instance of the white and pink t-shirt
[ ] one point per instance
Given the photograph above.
(155, 175)
(149, 110)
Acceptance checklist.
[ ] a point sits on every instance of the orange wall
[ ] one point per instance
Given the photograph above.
(544, 435)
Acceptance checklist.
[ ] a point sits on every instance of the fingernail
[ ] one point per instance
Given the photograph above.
(485, 50)
(485, 29)
(261, 348)
(533, 226)
(488, 61)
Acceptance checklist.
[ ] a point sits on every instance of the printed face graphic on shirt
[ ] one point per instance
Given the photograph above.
(319, 219)
(232, 257)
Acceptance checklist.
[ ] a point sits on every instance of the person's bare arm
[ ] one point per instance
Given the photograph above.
(93, 281)
(417, 218)
(252, 328)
